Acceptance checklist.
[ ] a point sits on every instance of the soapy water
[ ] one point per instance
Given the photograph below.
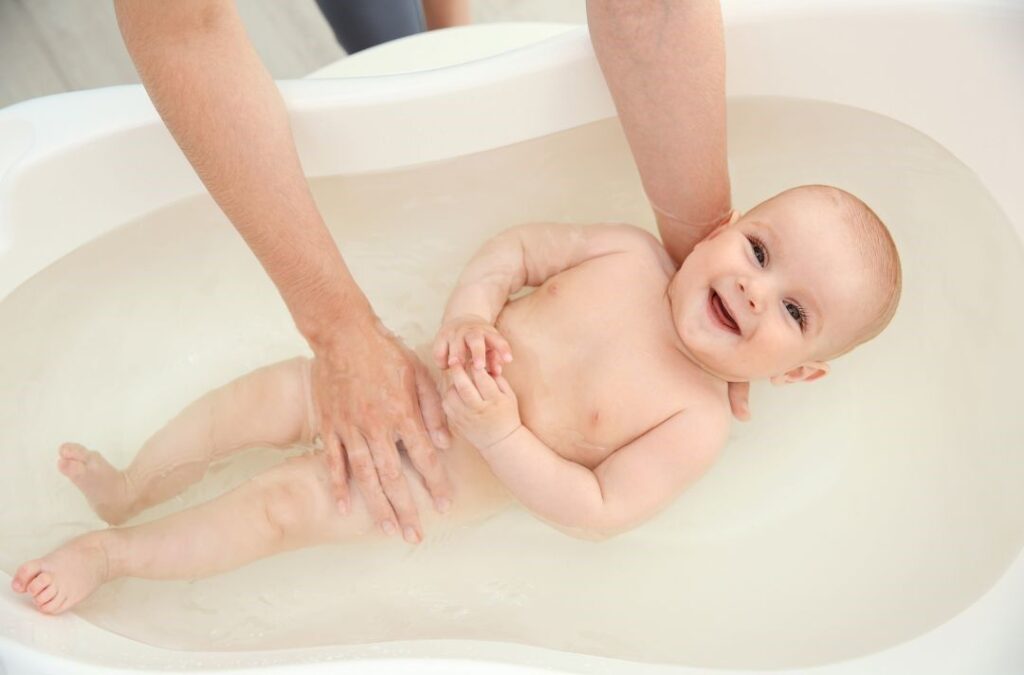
(850, 515)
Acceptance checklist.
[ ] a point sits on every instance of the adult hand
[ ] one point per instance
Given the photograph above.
(370, 393)
(739, 400)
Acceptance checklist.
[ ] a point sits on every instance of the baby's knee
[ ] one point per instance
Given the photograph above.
(293, 501)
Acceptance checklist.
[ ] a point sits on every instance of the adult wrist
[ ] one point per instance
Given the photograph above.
(340, 325)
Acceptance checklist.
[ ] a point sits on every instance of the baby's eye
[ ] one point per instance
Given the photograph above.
(760, 252)
(797, 312)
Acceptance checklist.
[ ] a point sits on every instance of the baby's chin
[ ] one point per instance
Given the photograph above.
(731, 370)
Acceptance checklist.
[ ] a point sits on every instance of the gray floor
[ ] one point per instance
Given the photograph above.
(51, 46)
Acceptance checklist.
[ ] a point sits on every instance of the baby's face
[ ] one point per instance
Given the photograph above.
(772, 291)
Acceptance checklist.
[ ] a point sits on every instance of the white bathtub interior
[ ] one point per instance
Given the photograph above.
(850, 515)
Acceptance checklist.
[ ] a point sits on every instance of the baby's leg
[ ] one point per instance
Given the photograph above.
(287, 507)
(269, 406)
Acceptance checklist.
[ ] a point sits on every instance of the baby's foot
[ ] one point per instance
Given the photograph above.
(65, 577)
(104, 486)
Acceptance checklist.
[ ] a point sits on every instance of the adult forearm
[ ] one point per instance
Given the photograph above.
(223, 109)
(665, 67)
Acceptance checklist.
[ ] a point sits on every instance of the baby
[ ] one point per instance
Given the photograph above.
(616, 400)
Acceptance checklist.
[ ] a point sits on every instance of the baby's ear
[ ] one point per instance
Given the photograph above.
(733, 217)
(807, 372)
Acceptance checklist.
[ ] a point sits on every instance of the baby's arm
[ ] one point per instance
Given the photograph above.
(630, 486)
(665, 66)
(525, 255)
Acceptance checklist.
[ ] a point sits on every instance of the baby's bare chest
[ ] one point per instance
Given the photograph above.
(595, 364)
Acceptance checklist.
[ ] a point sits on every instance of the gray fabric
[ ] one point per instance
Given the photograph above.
(359, 24)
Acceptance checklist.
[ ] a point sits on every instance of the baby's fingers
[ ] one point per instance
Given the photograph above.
(499, 344)
(456, 351)
(478, 348)
(494, 363)
(503, 386)
(464, 386)
(441, 352)
(485, 384)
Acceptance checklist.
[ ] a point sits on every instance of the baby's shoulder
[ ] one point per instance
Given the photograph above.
(641, 246)
(704, 408)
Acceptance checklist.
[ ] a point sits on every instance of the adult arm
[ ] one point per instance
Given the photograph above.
(223, 109)
(664, 63)
(665, 66)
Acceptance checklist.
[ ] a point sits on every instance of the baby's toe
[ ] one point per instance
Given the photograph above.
(70, 467)
(42, 581)
(45, 595)
(73, 451)
(54, 606)
(24, 575)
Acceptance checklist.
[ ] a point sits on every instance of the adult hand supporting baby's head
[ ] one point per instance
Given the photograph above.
(739, 400)
(370, 392)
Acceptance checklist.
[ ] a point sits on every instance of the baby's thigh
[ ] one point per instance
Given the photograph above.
(299, 503)
(300, 500)
(268, 406)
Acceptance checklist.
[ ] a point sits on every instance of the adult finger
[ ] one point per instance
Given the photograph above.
(336, 467)
(427, 461)
(739, 395)
(464, 386)
(477, 348)
(365, 474)
(392, 479)
(429, 402)
(485, 384)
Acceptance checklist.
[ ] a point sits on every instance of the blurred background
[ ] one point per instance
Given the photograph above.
(52, 46)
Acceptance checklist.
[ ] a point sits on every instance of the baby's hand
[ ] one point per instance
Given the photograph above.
(470, 337)
(483, 410)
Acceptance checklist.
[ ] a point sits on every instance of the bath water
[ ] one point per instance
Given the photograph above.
(851, 514)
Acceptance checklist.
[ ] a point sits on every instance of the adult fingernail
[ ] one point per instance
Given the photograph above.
(389, 527)
(411, 536)
(442, 505)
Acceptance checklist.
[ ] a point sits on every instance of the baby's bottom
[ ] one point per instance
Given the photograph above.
(287, 507)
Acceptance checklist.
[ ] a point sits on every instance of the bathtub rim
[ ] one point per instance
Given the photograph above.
(932, 646)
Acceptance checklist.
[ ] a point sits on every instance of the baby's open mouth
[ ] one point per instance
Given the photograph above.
(721, 313)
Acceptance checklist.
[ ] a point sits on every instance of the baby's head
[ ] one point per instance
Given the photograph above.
(776, 293)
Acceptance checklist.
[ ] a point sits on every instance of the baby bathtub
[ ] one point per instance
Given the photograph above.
(949, 69)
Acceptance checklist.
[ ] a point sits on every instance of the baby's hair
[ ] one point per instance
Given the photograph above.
(877, 247)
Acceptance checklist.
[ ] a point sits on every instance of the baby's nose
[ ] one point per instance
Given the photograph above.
(752, 293)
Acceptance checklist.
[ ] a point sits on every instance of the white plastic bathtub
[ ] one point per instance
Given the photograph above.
(74, 167)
